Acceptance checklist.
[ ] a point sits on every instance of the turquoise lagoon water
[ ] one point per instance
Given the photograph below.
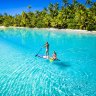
(23, 74)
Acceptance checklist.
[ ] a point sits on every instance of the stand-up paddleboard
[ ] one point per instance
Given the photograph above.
(48, 58)
(41, 56)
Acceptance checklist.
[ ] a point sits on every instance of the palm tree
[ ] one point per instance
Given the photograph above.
(44, 11)
(56, 9)
(29, 7)
(23, 19)
(88, 2)
(37, 13)
(65, 3)
(51, 8)
(75, 3)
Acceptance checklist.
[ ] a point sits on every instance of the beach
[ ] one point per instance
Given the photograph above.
(55, 29)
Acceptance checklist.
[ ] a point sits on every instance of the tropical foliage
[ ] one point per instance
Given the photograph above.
(71, 16)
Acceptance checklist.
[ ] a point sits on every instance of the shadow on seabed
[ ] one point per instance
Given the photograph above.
(62, 64)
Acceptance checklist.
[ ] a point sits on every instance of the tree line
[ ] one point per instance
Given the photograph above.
(70, 16)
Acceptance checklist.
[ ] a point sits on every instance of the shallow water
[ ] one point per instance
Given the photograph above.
(23, 74)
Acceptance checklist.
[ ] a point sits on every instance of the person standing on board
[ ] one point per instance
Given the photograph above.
(47, 48)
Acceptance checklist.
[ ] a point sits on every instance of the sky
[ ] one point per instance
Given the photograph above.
(13, 7)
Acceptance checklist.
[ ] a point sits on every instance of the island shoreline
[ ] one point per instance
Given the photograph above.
(56, 29)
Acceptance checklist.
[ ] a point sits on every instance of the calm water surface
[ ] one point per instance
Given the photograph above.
(23, 74)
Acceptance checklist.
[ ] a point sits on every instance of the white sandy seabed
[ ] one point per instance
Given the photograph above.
(55, 29)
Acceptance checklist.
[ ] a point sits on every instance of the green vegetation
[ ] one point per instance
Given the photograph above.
(72, 16)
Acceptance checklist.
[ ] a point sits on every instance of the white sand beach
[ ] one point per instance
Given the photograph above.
(2, 27)
(55, 29)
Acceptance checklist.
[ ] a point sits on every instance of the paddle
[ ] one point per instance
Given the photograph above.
(38, 52)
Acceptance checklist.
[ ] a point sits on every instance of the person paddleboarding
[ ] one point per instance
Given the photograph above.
(47, 49)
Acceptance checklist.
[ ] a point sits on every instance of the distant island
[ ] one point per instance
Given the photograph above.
(66, 16)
